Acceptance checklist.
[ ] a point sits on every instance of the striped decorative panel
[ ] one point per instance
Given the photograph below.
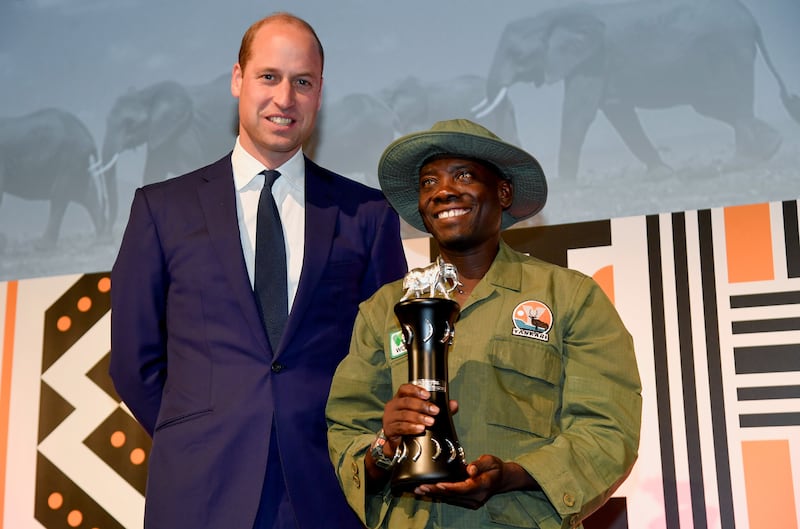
(711, 297)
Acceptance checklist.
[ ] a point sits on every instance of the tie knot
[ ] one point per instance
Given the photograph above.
(270, 176)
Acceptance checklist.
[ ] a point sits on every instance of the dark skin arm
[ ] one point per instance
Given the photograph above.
(408, 413)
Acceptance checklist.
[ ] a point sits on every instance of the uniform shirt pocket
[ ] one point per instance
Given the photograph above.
(528, 374)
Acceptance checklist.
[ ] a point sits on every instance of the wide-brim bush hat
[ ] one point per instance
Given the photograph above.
(399, 166)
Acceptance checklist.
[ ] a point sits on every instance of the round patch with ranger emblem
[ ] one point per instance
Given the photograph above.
(532, 319)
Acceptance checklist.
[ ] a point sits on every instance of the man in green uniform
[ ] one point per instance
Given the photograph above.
(543, 376)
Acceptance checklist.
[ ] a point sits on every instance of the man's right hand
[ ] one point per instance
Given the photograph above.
(409, 412)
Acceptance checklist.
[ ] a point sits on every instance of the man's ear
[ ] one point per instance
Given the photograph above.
(505, 192)
(236, 80)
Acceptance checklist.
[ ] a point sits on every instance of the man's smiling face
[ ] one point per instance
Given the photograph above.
(461, 201)
(279, 91)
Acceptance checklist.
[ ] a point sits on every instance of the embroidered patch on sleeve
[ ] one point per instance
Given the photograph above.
(398, 344)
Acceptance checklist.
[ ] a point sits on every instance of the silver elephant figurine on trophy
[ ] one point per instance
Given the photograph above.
(427, 317)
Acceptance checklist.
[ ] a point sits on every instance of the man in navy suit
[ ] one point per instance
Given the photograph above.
(238, 425)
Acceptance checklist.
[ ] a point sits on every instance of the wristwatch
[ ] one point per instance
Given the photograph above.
(376, 449)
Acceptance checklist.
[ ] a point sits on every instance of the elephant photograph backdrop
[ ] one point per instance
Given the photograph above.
(632, 108)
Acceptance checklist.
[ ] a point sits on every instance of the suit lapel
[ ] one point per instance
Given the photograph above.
(321, 210)
(218, 200)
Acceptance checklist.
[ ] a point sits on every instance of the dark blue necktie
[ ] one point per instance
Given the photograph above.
(270, 276)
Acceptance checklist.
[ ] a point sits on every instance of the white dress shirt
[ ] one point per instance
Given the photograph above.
(289, 193)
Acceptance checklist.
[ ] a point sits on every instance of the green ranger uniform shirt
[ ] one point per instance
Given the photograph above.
(545, 375)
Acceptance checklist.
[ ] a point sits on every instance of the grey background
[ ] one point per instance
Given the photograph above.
(82, 55)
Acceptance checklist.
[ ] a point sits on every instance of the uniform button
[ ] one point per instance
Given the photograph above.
(354, 466)
(569, 500)
(277, 367)
(574, 520)
(357, 482)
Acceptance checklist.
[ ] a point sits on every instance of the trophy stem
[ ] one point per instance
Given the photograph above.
(435, 455)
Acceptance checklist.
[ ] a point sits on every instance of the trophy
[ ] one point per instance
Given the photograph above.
(427, 318)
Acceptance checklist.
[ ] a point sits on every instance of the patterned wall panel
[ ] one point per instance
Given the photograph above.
(711, 297)
(725, 320)
(75, 456)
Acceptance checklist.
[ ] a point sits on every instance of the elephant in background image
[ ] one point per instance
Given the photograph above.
(649, 54)
(418, 106)
(352, 132)
(182, 127)
(350, 135)
(51, 155)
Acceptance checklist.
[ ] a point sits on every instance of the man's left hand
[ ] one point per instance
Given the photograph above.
(488, 475)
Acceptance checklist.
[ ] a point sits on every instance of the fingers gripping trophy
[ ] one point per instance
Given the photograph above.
(427, 317)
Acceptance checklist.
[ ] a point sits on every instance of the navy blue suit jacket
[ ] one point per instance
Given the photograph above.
(191, 359)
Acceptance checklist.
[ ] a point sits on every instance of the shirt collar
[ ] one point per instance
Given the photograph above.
(505, 271)
(246, 168)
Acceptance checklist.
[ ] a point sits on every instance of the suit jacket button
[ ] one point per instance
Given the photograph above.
(277, 367)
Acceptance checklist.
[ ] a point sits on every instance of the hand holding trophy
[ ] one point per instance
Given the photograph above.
(427, 316)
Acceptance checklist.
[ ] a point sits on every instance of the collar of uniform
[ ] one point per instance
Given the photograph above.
(246, 168)
(505, 271)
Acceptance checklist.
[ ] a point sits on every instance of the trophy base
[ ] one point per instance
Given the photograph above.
(428, 461)
(409, 483)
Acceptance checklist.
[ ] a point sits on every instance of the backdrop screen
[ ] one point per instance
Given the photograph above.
(632, 108)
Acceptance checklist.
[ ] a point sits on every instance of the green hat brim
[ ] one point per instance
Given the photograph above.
(399, 166)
